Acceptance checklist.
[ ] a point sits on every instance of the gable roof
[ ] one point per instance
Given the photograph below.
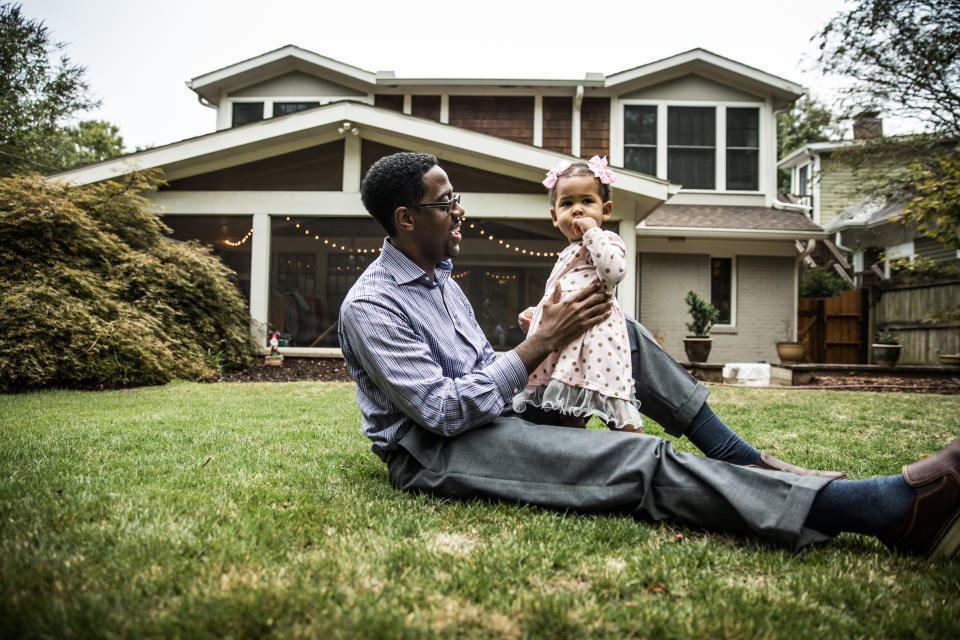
(209, 86)
(807, 151)
(275, 63)
(336, 120)
(713, 66)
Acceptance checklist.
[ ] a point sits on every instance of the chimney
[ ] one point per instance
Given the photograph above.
(867, 125)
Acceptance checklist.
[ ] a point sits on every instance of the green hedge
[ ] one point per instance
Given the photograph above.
(94, 295)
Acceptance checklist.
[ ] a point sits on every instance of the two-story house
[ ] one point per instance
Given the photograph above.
(692, 139)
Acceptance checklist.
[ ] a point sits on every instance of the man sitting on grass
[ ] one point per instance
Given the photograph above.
(435, 401)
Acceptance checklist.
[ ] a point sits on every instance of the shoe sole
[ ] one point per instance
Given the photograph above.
(948, 542)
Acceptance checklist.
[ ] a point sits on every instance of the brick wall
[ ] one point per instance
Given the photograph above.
(764, 303)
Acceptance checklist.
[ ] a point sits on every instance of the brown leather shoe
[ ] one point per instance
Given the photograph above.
(767, 461)
(932, 524)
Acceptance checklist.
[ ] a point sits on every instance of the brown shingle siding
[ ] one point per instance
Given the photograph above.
(426, 107)
(557, 123)
(392, 102)
(595, 127)
(504, 116)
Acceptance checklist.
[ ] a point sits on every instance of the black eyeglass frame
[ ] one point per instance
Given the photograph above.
(445, 204)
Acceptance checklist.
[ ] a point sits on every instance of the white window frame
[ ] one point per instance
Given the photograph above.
(720, 159)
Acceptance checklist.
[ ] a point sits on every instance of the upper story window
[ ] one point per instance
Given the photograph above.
(691, 146)
(699, 147)
(244, 112)
(640, 138)
(743, 149)
(283, 108)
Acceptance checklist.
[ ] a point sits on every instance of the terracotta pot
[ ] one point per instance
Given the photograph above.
(790, 352)
(886, 354)
(950, 358)
(698, 349)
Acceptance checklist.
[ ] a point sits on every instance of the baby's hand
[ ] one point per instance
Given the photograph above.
(524, 319)
(582, 225)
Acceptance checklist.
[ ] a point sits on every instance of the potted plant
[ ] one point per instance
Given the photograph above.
(703, 315)
(790, 351)
(886, 350)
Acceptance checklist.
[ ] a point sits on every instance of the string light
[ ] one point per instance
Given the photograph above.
(239, 242)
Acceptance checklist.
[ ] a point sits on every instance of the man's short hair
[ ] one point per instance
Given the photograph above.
(395, 181)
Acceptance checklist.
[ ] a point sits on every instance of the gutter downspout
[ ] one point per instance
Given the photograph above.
(575, 125)
(789, 206)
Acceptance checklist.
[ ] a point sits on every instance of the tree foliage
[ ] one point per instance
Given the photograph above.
(821, 283)
(703, 315)
(41, 92)
(900, 56)
(93, 294)
(903, 56)
(808, 120)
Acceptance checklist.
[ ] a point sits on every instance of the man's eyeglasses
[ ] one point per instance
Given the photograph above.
(446, 205)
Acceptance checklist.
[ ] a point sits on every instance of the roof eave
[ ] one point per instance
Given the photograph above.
(723, 233)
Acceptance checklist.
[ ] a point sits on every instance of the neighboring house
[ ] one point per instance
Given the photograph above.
(275, 189)
(862, 230)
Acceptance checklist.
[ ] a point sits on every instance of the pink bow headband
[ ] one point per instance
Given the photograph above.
(596, 164)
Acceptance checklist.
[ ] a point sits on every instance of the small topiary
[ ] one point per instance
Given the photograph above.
(702, 313)
(93, 294)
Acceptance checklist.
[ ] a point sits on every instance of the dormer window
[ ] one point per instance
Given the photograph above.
(283, 108)
(244, 112)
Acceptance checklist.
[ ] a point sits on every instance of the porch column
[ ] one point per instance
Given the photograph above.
(627, 289)
(259, 279)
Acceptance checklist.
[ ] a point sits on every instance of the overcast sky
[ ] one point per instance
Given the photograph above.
(139, 54)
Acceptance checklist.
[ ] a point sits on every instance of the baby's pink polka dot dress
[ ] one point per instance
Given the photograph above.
(591, 375)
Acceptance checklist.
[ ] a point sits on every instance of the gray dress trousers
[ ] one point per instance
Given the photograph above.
(592, 471)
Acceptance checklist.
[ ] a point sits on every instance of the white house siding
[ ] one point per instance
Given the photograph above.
(296, 83)
(691, 87)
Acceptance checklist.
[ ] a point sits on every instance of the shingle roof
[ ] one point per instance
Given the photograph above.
(723, 217)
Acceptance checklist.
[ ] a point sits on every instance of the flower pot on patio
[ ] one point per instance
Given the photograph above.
(886, 354)
(698, 349)
(790, 352)
(950, 358)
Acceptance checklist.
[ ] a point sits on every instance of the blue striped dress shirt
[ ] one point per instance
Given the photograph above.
(417, 354)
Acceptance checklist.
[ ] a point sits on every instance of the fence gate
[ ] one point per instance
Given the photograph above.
(832, 329)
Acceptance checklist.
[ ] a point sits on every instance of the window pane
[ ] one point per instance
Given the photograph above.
(283, 108)
(742, 170)
(244, 112)
(228, 236)
(691, 126)
(642, 159)
(743, 128)
(721, 274)
(640, 124)
(692, 168)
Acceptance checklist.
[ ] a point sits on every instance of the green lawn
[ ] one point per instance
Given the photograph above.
(256, 510)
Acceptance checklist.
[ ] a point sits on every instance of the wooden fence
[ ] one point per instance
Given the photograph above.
(833, 329)
(902, 309)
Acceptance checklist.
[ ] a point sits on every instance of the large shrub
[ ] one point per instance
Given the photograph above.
(821, 283)
(93, 294)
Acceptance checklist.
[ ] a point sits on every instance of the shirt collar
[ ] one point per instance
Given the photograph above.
(403, 269)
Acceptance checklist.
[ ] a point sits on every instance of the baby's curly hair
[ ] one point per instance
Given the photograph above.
(580, 169)
(394, 181)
